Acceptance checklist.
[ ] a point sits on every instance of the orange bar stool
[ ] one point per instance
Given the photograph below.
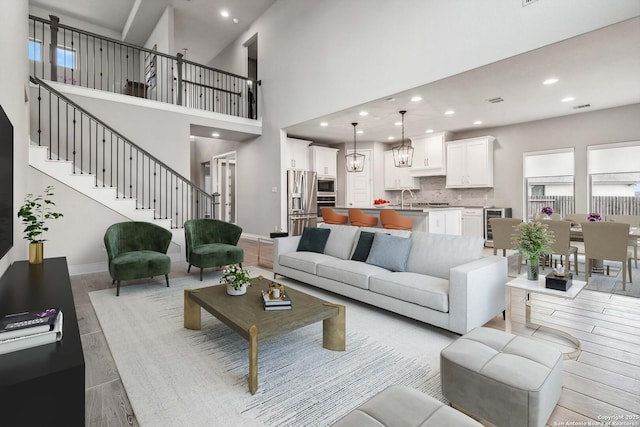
(361, 219)
(332, 217)
(394, 221)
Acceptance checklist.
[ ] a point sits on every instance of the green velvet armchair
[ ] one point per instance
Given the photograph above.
(137, 250)
(212, 243)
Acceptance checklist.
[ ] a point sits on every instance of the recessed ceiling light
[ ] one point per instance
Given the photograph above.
(364, 113)
(215, 134)
(477, 122)
(224, 13)
(398, 123)
(391, 138)
(324, 124)
(359, 131)
(567, 99)
(390, 99)
(550, 81)
(235, 20)
(449, 112)
(416, 98)
(429, 131)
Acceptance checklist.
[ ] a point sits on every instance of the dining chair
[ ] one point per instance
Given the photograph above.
(361, 219)
(392, 220)
(633, 221)
(607, 240)
(332, 217)
(502, 230)
(576, 218)
(561, 245)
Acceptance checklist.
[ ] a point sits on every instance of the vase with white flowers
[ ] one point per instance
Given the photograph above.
(236, 278)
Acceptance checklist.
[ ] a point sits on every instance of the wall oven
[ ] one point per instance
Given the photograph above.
(325, 201)
(493, 213)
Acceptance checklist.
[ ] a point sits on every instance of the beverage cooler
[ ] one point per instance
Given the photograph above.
(493, 213)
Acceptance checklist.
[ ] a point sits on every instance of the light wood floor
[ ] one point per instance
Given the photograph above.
(604, 381)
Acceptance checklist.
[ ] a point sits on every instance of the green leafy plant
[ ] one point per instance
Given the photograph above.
(533, 239)
(35, 212)
(235, 276)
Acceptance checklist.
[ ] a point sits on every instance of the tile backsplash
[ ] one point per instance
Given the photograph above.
(432, 189)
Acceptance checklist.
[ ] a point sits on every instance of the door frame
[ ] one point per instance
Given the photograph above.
(229, 157)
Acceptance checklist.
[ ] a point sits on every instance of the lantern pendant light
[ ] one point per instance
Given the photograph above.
(403, 155)
(354, 161)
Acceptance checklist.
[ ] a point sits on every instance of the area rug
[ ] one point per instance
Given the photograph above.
(175, 376)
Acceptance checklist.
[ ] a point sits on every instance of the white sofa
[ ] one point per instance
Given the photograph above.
(447, 281)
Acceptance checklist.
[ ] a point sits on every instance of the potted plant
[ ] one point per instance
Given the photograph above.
(236, 278)
(35, 212)
(594, 217)
(547, 211)
(533, 239)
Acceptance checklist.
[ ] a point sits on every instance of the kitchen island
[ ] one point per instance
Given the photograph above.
(433, 219)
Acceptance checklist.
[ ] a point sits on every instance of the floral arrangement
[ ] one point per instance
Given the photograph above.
(235, 276)
(547, 210)
(594, 216)
(533, 239)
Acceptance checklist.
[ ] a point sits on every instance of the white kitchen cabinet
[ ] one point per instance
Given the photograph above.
(430, 154)
(297, 154)
(470, 163)
(472, 225)
(324, 161)
(397, 178)
(445, 221)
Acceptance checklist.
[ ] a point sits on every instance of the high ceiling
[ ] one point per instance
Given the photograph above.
(600, 69)
(199, 27)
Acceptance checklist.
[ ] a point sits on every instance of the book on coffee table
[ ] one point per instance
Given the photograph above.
(269, 301)
(27, 323)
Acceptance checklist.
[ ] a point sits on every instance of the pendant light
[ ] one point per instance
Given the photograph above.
(403, 155)
(354, 161)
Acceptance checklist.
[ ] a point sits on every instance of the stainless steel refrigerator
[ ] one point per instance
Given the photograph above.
(301, 201)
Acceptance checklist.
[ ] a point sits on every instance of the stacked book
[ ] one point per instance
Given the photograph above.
(280, 303)
(24, 330)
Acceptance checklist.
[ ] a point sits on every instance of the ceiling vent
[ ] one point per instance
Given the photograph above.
(578, 107)
(528, 2)
(495, 100)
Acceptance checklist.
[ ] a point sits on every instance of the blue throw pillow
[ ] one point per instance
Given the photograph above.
(390, 252)
(313, 239)
(363, 247)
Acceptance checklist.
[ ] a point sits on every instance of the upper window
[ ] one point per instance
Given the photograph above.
(66, 57)
(548, 177)
(614, 178)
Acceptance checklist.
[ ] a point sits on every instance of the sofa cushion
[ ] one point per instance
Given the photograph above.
(303, 261)
(363, 247)
(313, 239)
(389, 252)
(427, 291)
(435, 254)
(341, 240)
(354, 273)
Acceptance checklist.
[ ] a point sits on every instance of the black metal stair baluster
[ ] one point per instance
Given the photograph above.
(39, 116)
(149, 184)
(50, 126)
(58, 123)
(155, 171)
(137, 185)
(130, 171)
(142, 182)
(117, 165)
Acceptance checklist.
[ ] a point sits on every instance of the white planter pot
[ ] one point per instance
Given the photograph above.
(232, 291)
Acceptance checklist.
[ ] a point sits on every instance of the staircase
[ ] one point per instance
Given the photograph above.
(110, 169)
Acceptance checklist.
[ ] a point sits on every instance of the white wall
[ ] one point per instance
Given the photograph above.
(577, 131)
(13, 90)
(320, 57)
(162, 34)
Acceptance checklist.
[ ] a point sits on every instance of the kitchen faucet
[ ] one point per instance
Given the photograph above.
(413, 197)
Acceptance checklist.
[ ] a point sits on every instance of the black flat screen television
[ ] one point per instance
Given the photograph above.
(6, 183)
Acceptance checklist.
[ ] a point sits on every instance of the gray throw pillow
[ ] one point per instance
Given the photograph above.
(390, 252)
(313, 240)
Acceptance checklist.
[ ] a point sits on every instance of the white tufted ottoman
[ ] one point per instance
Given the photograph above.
(402, 406)
(505, 379)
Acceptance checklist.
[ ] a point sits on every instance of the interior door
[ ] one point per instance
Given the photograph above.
(223, 182)
(360, 184)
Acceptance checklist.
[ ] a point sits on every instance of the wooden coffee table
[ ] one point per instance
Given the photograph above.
(245, 315)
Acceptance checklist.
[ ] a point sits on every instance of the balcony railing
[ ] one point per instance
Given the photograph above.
(73, 134)
(76, 57)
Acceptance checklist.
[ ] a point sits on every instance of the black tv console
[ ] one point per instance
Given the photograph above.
(44, 385)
